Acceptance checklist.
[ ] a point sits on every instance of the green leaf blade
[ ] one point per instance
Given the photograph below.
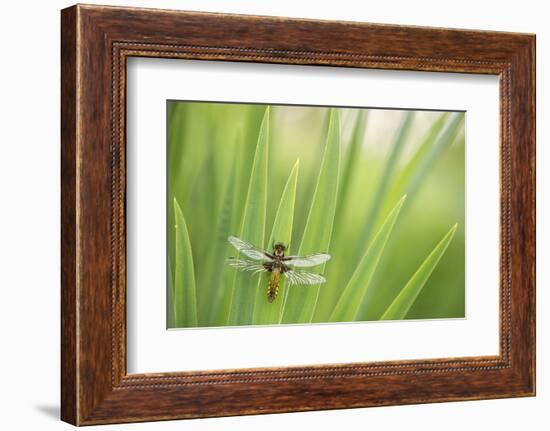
(412, 178)
(219, 297)
(401, 305)
(300, 301)
(351, 164)
(347, 307)
(264, 311)
(387, 176)
(352, 159)
(170, 320)
(435, 143)
(184, 295)
(246, 286)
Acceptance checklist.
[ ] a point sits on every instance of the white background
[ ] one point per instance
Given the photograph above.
(152, 349)
(29, 228)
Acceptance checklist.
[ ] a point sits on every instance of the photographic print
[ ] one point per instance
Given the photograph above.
(287, 214)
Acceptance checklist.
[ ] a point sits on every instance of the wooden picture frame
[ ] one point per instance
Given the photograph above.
(96, 41)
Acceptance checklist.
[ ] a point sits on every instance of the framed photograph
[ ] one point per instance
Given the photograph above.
(266, 215)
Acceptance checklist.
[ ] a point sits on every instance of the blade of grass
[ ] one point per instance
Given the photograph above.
(199, 221)
(329, 293)
(185, 310)
(174, 150)
(399, 308)
(437, 140)
(348, 305)
(246, 286)
(264, 311)
(217, 308)
(353, 158)
(387, 175)
(170, 305)
(188, 123)
(248, 124)
(300, 301)
(249, 132)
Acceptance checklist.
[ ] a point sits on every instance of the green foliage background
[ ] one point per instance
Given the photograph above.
(383, 191)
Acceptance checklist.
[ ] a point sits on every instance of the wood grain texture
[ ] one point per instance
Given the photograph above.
(68, 217)
(96, 42)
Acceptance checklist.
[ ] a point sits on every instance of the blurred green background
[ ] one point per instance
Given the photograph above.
(384, 154)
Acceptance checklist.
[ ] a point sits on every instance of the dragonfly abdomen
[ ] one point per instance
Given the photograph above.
(273, 284)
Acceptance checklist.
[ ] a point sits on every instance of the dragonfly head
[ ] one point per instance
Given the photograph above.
(279, 249)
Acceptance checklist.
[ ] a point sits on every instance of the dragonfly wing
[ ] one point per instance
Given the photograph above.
(303, 277)
(245, 265)
(247, 249)
(305, 261)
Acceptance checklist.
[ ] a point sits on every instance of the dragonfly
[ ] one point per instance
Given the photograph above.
(276, 264)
